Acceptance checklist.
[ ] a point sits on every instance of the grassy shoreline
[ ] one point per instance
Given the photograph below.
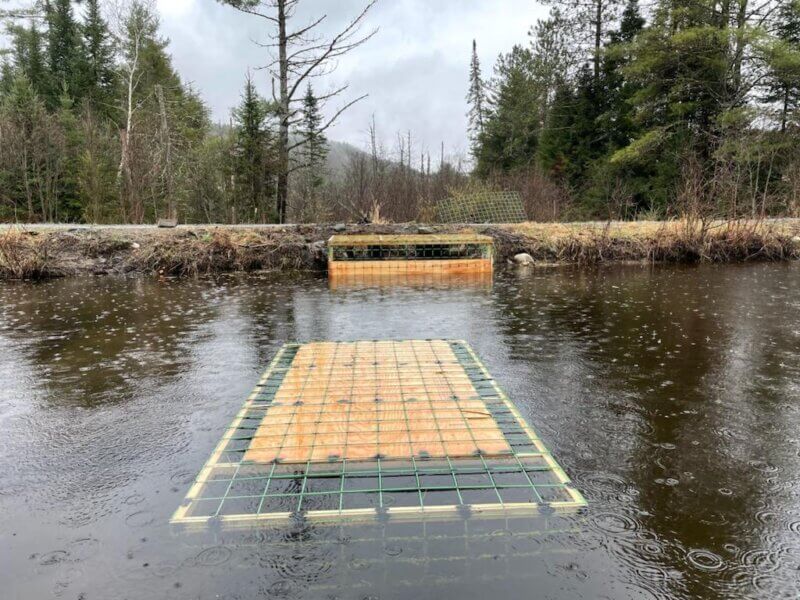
(40, 251)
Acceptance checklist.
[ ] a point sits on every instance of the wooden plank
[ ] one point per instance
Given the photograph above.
(338, 268)
(409, 239)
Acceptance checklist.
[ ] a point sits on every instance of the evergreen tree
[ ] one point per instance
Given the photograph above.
(96, 168)
(476, 100)
(252, 150)
(784, 59)
(98, 74)
(28, 56)
(573, 138)
(314, 148)
(630, 25)
(511, 126)
(553, 153)
(162, 120)
(311, 162)
(6, 78)
(29, 152)
(552, 60)
(680, 66)
(62, 50)
(69, 202)
(618, 119)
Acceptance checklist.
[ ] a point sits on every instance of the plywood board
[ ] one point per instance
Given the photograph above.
(409, 239)
(368, 400)
(409, 267)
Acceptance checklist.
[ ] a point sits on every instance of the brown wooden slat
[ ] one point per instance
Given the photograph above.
(360, 400)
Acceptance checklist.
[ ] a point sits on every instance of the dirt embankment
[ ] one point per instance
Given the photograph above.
(42, 251)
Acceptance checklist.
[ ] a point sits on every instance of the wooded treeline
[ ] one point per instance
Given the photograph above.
(609, 110)
(620, 112)
(97, 126)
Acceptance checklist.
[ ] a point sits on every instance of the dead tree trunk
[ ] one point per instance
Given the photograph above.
(283, 116)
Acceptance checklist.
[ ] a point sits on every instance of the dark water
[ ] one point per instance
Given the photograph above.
(670, 395)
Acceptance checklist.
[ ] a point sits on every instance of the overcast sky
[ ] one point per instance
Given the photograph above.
(415, 69)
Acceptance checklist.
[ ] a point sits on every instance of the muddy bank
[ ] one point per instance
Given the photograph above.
(57, 251)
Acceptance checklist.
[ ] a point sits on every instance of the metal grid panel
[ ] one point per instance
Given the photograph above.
(415, 555)
(409, 254)
(423, 251)
(482, 207)
(519, 473)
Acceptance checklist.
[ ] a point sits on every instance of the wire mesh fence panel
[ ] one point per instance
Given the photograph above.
(482, 207)
(337, 429)
(395, 254)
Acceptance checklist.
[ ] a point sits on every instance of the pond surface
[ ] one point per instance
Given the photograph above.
(671, 395)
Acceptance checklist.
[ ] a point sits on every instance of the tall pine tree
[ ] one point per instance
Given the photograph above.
(253, 160)
(511, 127)
(311, 162)
(63, 44)
(784, 58)
(98, 74)
(476, 100)
(28, 56)
(314, 148)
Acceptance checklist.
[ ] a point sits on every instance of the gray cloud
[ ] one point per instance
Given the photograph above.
(414, 69)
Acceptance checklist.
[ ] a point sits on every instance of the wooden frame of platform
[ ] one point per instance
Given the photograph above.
(352, 429)
(392, 255)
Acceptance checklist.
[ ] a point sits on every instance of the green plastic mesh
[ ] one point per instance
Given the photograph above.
(482, 207)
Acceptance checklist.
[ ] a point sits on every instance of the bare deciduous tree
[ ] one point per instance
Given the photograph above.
(28, 10)
(296, 55)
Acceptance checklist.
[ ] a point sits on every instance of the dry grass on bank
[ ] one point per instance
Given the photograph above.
(189, 251)
(685, 241)
(221, 251)
(23, 256)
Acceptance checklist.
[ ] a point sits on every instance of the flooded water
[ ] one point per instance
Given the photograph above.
(670, 395)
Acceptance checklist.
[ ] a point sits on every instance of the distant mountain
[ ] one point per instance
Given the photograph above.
(339, 156)
(339, 153)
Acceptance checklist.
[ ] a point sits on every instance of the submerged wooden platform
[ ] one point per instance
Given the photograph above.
(409, 254)
(340, 429)
(389, 400)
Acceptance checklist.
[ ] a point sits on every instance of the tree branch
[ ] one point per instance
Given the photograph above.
(329, 123)
(336, 46)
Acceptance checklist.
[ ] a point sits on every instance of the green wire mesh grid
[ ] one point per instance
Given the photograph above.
(230, 488)
(418, 555)
(482, 207)
(390, 251)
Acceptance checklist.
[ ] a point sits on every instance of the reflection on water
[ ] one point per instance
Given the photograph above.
(670, 395)
(420, 280)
